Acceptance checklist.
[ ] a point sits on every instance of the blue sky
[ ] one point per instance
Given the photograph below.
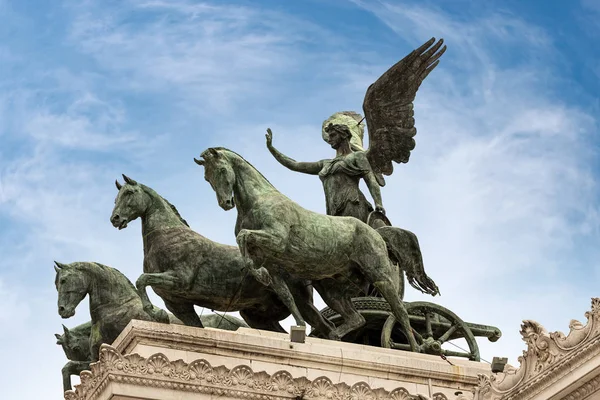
(502, 188)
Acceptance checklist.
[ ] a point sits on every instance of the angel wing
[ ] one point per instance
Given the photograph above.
(388, 107)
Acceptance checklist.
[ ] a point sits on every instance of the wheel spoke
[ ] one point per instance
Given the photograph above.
(400, 346)
(428, 330)
(448, 333)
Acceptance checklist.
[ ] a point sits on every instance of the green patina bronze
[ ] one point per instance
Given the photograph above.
(341, 256)
(388, 110)
(186, 269)
(279, 239)
(114, 302)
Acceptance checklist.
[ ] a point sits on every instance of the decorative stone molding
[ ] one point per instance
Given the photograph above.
(549, 358)
(200, 377)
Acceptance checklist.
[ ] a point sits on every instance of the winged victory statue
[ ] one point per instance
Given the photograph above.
(389, 115)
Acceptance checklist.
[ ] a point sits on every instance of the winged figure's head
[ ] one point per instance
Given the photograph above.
(337, 135)
(352, 122)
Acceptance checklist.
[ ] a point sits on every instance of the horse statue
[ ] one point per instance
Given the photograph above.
(277, 234)
(388, 107)
(185, 269)
(114, 302)
(75, 342)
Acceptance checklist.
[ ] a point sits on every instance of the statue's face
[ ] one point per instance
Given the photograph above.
(130, 204)
(219, 173)
(336, 138)
(71, 287)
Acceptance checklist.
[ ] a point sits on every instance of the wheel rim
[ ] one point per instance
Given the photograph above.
(431, 338)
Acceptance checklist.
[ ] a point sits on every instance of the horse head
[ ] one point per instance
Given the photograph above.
(219, 172)
(131, 203)
(72, 287)
(76, 347)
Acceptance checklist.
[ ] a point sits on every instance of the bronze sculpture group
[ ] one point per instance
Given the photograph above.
(283, 249)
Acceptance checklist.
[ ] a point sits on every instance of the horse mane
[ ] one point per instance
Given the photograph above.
(116, 272)
(113, 271)
(151, 191)
(247, 162)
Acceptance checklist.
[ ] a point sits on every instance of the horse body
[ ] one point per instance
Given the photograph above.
(317, 246)
(186, 269)
(113, 303)
(279, 235)
(211, 281)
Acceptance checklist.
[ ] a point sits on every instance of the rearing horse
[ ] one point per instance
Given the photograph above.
(185, 268)
(277, 233)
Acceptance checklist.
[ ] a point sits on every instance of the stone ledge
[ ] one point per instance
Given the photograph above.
(177, 378)
(253, 345)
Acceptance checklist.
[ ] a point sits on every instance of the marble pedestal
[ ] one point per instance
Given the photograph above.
(153, 361)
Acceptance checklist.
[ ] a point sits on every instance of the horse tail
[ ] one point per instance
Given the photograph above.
(403, 247)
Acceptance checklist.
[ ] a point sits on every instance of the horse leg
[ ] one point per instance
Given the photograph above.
(73, 368)
(185, 312)
(303, 295)
(390, 293)
(271, 240)
(168, 281)
(379, 271)
(285, 295)
(258, 320)
(336, 298)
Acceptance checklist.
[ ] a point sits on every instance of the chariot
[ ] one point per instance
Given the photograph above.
(433, 326)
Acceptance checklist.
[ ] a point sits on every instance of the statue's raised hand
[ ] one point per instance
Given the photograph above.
(269, 137)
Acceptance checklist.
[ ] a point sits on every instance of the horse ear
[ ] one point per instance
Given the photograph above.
(118, 185)
(66, 330)
(214, 152)
(58, 266)
(59, 339)
(199, 162)
(128, 180)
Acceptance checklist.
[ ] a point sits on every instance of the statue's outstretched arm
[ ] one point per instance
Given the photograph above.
(311, 168)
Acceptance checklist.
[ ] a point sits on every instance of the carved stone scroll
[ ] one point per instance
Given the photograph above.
(549, 358)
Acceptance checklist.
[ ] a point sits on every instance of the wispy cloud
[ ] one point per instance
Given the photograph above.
(501, 186)
(214, 56)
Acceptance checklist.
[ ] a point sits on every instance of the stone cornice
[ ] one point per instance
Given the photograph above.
(582, 392)
(193, 339)
(549, 358)
(200, 377)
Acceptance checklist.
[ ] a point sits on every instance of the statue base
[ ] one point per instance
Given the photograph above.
(153, 361)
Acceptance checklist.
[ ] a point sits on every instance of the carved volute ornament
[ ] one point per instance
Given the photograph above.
(549, 358)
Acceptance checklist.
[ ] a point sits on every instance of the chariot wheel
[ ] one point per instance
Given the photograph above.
(432, 326)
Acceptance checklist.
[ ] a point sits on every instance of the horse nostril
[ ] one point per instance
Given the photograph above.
(61, 309)
(114, 218)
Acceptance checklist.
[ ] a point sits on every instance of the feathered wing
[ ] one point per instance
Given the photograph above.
(388, 107)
